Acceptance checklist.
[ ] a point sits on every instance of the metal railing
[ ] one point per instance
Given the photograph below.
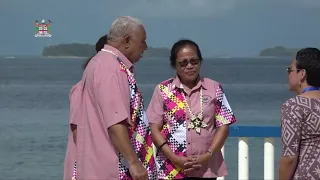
(243, 133)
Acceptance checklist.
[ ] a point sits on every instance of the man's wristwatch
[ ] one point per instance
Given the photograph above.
(211, 153)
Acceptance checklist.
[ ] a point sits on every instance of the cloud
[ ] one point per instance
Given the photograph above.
(179, 8)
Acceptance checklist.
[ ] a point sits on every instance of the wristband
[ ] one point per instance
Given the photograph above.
(159, 148)
(211, 153)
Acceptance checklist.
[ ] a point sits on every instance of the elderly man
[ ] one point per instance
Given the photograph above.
(113, 138)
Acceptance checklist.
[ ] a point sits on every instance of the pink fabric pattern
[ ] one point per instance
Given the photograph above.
(174, 131)
(223, 112)
(139, 133)
(74, 174)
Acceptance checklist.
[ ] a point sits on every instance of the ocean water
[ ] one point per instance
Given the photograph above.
(34, 107)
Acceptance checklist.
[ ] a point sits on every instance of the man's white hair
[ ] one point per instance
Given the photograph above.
(123, 25)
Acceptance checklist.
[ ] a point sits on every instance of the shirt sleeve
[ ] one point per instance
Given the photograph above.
(155, 109)
(223, 112)
(290, 128)
(108, 94)
(74, 102)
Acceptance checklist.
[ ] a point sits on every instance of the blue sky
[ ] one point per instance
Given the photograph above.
(230, 27)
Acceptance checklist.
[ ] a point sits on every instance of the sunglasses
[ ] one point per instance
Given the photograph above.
(289, 70)
(185, 62)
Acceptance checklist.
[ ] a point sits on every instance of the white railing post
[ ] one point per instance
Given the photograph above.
(243, 159)
(222, 151)
(268, 159)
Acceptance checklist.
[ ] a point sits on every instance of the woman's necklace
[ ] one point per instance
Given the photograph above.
(196, 121)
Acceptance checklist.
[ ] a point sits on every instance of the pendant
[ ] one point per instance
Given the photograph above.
(196, 124)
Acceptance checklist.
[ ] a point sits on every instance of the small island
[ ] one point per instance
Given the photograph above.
(88, 50)
(279, 51)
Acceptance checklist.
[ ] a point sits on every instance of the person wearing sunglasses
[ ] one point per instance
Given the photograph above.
(300, 119)
(189, 116)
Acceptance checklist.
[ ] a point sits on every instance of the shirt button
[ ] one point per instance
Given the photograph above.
(189, 143)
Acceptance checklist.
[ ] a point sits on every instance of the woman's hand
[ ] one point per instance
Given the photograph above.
(186, 163)
(199, 161)
(203, 159)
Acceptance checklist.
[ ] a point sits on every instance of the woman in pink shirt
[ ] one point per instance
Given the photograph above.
(75, 93)
(189, 117)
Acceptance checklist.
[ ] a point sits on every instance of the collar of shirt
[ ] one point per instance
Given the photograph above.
(123, 58)
(176, 83)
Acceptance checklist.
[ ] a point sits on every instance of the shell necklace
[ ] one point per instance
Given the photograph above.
(196, 121)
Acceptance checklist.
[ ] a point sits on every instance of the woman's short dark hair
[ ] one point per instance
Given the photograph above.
(178, 46)
(309, 60)
(99, 45)
(101, 42)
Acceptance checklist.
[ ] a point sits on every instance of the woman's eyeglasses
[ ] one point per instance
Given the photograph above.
(185, 62)
(289, 70)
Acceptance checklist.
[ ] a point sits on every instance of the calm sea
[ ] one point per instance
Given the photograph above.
(34, 107)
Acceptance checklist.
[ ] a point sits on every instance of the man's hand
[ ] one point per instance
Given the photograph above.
(137, 171)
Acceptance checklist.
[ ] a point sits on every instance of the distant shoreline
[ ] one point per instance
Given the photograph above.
(64, 57)
(279, 51)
